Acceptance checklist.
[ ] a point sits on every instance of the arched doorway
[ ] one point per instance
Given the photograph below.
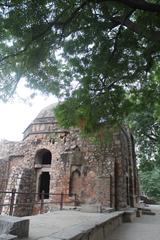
(43, 159)
(44, 184)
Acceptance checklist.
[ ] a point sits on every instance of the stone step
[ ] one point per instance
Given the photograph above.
(7, 237)
(147, 211)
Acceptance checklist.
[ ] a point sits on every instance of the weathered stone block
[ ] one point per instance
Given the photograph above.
(14, 225)
(129, 215)
(97, 233)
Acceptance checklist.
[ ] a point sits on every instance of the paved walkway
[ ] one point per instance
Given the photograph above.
(145, 228)
(59, 223)
(48, 225)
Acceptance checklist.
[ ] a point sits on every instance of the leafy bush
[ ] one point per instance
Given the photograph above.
(150, 183)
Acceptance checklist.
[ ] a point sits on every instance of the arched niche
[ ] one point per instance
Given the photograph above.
(75, 181)
(43, 157)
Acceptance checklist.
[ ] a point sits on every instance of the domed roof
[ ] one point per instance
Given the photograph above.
(47, 112)
(44, 123)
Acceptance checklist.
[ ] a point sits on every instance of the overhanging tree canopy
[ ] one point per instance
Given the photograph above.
(101, 55)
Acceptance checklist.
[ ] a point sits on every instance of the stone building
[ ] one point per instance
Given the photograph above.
(57, 160)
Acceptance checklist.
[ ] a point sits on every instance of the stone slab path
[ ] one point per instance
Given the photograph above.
(49, 224)
(145, 228)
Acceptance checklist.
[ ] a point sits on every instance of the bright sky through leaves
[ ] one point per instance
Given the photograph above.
(18, 113)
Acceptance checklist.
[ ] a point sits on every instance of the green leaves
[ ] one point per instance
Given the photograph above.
(150, 183)
(100, 57)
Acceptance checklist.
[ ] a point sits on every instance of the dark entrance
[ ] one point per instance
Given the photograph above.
(46, 157)
(44, 183)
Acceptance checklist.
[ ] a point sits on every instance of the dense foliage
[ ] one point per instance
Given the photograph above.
(150, 183)
(100, 56)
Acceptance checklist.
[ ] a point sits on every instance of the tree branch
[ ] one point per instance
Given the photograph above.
(38, 36)
(134, 27)
(55, 23)
(142, 5)
(136, 4)
(127, 16)
(128, 23)
(77, 10)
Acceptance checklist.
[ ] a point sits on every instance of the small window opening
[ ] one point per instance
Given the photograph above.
(43, 156)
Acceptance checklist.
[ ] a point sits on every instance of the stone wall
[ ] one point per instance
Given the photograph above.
(4, 175)
(104, 174)
(7, 148)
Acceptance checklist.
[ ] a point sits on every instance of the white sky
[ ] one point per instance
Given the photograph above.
(19, 112)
